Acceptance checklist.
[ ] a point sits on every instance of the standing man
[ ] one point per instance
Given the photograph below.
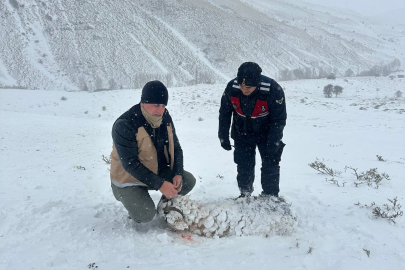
(147, 155)
(256, 104)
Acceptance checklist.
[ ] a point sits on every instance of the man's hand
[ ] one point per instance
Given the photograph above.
(168, 189)
(272, 148)
(178, 182)
(226, 144)
(275, 150)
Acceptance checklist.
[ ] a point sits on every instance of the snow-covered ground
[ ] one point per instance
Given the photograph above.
(57, 210)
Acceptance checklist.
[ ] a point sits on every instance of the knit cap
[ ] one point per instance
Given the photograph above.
(155, 92)
(249, 74)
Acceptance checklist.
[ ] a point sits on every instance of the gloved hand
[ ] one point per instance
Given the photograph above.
(226, 144)
(275, 150)
(272, 148)
(275, 144)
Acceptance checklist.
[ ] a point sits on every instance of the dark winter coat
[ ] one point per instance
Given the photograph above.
(141, 152)
(261, 115)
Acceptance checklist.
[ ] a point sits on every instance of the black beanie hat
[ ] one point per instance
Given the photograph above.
(155, 92)
(249, 74)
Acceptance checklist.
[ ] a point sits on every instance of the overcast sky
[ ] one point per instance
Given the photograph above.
(365, 7)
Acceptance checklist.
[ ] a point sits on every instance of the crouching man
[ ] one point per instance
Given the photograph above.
(147, 155)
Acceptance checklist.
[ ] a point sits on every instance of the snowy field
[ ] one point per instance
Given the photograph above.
(57, 210)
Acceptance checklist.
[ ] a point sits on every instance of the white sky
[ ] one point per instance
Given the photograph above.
(365, 7)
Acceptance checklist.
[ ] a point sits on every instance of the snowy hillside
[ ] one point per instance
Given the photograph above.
(57, 210)
(98, 44)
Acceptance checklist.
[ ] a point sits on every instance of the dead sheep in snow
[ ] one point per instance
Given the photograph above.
(244, 216)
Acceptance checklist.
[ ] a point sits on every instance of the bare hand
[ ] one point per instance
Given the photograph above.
(168, 189)
(178, 182)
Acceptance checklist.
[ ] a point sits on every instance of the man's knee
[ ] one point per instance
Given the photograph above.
(141, 211)
(270, 168)
(247, 160)
(142, 215)
(137, 202)
(189, 182)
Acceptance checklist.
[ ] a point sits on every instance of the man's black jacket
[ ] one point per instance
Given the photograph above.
(124, 136)
(275, 121)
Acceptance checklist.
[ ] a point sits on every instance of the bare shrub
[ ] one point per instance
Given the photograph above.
(335, 182)
(106, 159)
(380, 158)
(369, 177)
(367, 252)
(63, 98)
(389, 211)
(92, 266)
(321, 167)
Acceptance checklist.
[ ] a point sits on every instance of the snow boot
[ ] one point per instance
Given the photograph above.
(244, 195)
(266, 195)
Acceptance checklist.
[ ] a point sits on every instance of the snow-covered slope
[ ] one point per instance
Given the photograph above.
(116, 44)
(57, 210)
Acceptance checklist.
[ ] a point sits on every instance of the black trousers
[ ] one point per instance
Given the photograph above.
(245, 158)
